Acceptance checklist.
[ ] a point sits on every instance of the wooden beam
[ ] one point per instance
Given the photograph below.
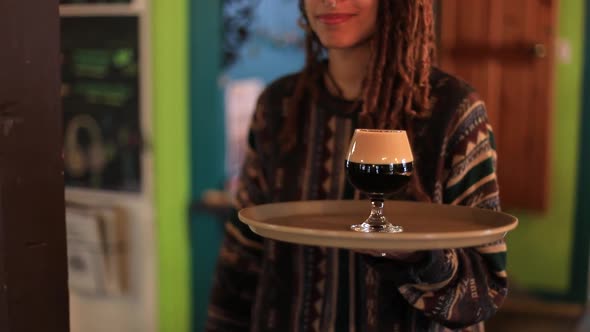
(33, 263)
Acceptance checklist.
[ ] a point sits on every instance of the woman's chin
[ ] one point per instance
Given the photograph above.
(341, 43)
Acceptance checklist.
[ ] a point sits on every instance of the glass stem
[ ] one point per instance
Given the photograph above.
(377, 218)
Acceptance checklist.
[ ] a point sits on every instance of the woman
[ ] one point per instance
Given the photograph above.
(368, 64)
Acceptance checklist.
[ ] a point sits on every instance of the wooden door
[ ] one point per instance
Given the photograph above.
(33, 269)
(504, 48)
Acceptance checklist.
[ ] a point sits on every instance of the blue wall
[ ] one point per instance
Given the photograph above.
(273, 49)
(581, 247)
(207, 146)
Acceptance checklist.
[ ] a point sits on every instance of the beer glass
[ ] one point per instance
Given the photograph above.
(379, 162)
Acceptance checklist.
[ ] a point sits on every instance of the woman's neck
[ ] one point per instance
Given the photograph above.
(347, 68)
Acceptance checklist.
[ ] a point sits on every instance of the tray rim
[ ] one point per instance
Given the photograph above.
(259, 227)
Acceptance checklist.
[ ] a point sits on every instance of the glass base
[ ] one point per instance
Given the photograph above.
(384, 228)
(377, 222)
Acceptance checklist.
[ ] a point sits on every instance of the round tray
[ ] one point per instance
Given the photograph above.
(426, 226)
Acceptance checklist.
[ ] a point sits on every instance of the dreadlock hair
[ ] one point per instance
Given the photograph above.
(396, 88)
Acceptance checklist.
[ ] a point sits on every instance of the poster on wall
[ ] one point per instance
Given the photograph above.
(98, 263)
(100, 101)
(262, 41)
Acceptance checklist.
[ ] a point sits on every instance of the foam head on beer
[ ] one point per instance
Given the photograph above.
(380, 147)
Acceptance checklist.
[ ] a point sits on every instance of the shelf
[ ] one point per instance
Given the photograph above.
(69, 10)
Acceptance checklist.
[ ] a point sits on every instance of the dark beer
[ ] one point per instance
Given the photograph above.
(382, 179)
(379, 162)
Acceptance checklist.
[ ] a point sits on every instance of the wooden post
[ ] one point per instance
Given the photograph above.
(33, 260)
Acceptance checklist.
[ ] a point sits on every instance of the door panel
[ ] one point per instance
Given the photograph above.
(504, 49)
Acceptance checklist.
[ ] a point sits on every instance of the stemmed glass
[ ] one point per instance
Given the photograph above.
(379, 162)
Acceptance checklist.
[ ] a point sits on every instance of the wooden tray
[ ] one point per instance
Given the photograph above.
(426, 226)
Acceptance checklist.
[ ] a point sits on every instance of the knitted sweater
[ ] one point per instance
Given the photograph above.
(266, 285)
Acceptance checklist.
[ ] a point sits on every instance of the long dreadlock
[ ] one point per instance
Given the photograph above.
(396, 88)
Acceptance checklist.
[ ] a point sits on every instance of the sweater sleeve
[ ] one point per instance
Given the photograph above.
(239, 262)
(462, 287)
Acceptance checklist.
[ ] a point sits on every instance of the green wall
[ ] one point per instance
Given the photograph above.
(171, 164)
(540, 249)
(188, 125)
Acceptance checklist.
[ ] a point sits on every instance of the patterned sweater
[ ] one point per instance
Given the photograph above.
(265, 285)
